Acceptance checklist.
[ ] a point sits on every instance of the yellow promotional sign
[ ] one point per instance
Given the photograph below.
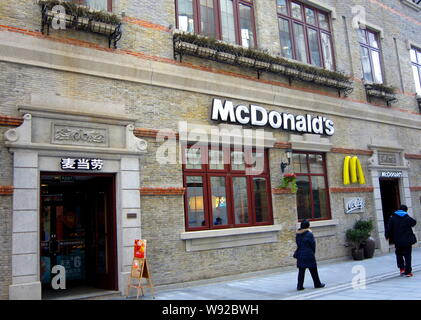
(353, 171)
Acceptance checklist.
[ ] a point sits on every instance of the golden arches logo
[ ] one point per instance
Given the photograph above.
(353, 171)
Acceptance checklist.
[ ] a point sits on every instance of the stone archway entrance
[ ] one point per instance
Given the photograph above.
(389, 174)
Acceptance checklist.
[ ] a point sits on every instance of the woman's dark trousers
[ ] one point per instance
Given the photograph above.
(403, 258)
(314, 275)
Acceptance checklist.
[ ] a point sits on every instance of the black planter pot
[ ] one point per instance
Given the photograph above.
(357, 254)
(369, 247)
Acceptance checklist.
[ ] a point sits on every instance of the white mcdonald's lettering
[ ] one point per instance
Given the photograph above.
(391, 174)
(260, 117)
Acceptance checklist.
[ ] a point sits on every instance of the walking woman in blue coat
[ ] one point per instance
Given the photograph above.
(305, 255)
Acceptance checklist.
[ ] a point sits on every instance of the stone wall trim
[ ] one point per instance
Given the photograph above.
(162, 191)
(352, 151)
(351, 189)
(413, 156)
(6, 190)
(417, 188)
(10, 121)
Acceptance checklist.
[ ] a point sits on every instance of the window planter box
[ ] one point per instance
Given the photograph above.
(277, 68)
(245, 61)
(82, 18)
(381, 92)
(262, 65)
(196, 45)
(186, 47)
(225, 57)
(206, 52)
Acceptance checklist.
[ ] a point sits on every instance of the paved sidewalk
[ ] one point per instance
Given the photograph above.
(338, 277)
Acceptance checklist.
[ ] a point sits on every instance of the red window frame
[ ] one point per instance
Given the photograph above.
(109, 4)
(206, 172)
(217, 15)
(307, 25)
(370, 48)
(309, 174)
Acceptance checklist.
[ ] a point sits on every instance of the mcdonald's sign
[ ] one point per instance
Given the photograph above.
(352, 171)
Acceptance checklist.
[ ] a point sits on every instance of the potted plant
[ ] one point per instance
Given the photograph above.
(356, 237)
(289, 179)
(369, 244)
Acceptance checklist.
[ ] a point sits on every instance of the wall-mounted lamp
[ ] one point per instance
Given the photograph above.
(285, 164)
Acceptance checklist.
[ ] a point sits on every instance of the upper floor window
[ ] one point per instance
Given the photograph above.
(224, 189)
(305, 34)
(228, 20)
(416, 68)
(370, 55)
(312, 194)
(100, 5)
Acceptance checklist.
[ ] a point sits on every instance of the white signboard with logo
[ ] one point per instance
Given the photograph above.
(354, 205)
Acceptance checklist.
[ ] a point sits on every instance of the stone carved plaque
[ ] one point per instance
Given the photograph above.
(70, 135)
(388, 158)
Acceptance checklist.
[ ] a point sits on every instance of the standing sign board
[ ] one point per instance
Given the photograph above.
(140, 270)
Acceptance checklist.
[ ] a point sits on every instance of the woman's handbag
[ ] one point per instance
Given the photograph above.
(295, 254)
(413, 239)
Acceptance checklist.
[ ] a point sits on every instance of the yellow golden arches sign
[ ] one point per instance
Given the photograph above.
(353, 172)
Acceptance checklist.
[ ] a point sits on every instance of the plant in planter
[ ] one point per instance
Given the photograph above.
(356, 237)
(369, 244)
(81, 17)
(289, 179)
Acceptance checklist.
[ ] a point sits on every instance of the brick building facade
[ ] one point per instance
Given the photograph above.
(70, 95)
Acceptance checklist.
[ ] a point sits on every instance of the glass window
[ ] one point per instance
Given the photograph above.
(300, 41)
(300, 162)
(370, 56)
(219, 201)
(286, 45)
(296, 11)
(193, 158)
(305, 39)
(185, 15)
(310, 16)
(416, 68)
(223, 195)
(240, 193)
(304, 208)
(228, 20)
(313, 40)
(316, 163)
(195, 201)
(312, 193)
(377, 69)
(216, 159)
(260, 199)
(100, 5)
(323, 21)
(327, 51)
(372, 39)
(413, 55)
(246, 26)
(207, 18)
(282, 7)
(237, 161)
(365, 61)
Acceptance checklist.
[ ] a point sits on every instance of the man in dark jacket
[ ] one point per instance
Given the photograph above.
(305, 255)
(399, 230)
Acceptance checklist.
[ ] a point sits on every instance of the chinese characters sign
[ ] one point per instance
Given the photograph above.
(81, 164)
